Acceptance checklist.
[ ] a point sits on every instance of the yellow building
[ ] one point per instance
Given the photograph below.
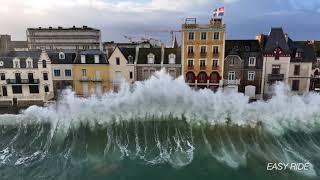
(91, 73)
(203, 53)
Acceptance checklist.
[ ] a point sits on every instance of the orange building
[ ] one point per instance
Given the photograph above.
(203, 53)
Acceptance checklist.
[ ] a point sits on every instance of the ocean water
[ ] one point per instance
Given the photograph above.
(163, 130)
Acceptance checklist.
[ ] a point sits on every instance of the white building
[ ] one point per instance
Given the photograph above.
(121, 64)
(64, 38)
(26, 78)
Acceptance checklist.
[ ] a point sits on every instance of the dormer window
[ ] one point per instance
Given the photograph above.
(130, 59)
(1, 63)
(62, 56)
(172, 59)
(83, 59)
(96, 59)
(29, 63)
(298, 54)
(16, 63)
(151, 58)
(252, 61)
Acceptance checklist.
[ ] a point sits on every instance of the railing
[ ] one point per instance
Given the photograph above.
(97, 79)
(190, 67)
(232, 82)
(275, 77)
(203, 67)
(216, 55)
(190, 55)
(23, 81)
(85, 78)
(215, 68)
(203, 54)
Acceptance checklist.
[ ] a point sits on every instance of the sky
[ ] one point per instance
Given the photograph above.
(152, 18)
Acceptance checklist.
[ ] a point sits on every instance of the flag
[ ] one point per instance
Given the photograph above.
(218, 12)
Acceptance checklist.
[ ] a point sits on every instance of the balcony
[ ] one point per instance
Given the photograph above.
(190, 55)
(216, 55)
(97, 79)
(203, 54)
(275, 77)
(203, 67)
(85, 79)
(215, 68)
(235, 82)
(23, 81)
(190, 67)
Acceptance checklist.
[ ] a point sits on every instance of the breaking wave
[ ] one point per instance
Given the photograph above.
(161, 121)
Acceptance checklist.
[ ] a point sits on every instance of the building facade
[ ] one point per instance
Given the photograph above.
(203, 53)
(26, 78)
(150, 60)
(286, 61)
(79, 38)
(91, 73)
(243, 67)
(121, 66)
(62, 69)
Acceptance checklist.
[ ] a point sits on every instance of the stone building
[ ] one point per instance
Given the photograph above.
(150, 60)
(7, 45)
(243, 67)
(26, 78)
(79, 38)
(62, 69)
(203, 53)
(91, 73)
(121, 66)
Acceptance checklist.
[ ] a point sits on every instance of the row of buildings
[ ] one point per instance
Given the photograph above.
(52, 59)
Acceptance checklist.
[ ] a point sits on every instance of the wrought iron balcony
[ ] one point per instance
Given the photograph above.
(275, 77)
(203, 67)
(97, 79)
(215, 68)
(190, 67)
(23, 81)
(190, 55)
(203, 54)
(85, 79)
(231, 82)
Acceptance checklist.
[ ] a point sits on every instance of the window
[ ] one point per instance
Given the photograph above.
(44, 64)
(34, 89)
(151, 58)
(16, 63)
(296, 70)
(62, 56)
(84, 72)
(191, 35)
(18, 77)
(215, 63)
(3, 76)
(96, 59)
(190, 62)
(216, 35)
(275, 69)
(83, 59)
(202, 63)
(1, 63)
(203, 49)
(232, 61)
(131, 75)
(203, 35)
(247, 48)
(190, 50)
(146, 74)
(295, 85)
(130, 58)
(16, 89)
(251, 75)
(152, 71)
(215, 50)
(68, 73)
(4, 91)
(45, 76)
(172, 59)
(56, 72)
(298, 54)
(231, 75)
(46, 88)
(252, 61)
(117, 61)
(29, 64)
(30, 76)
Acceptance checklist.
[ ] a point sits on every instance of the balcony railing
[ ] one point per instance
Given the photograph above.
(190, 67)
(215, 68)
(275, 77)
(23, 81)
(85, 78)
(190, 55)
(203, 67)
(203, 54)
(97, 79)
(232, 82)
(216, 55)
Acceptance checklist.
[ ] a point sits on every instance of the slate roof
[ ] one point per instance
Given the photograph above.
(168, 51)
(276, 39)
(70, 56)
(90, 57)
(127, 52)
(307, 51)
(22, 55)
(18, 44)
(144, 52)
(241, 47)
